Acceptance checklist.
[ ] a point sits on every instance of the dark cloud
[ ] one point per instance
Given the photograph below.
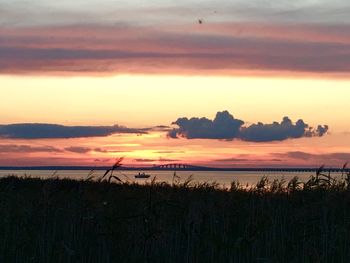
(82, 149)
(275, 131)
(161, 128)
(100, 150)
(226, 127)
(78, 149)
(11, 148)
(321, 130)
(55, 131)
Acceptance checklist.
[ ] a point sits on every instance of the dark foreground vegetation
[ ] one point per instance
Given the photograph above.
(59, 220)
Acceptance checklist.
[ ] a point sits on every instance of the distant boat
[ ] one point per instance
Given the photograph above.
(142, 175)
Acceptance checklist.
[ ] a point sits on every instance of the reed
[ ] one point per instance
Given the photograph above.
(110, 220)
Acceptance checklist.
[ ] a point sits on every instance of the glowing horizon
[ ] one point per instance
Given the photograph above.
(136, 102)
(223, 84)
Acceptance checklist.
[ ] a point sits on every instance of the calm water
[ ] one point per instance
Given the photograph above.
(222, 178)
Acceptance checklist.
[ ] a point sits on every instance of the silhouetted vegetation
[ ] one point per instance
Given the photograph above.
(107, 220)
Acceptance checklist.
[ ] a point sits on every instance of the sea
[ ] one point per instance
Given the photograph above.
(221, 178)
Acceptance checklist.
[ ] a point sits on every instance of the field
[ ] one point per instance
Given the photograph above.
(105, 220)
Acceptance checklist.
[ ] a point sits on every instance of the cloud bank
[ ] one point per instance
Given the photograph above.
(226, 127)
(83, 150)
(25, 148)
(325, 157)
(176, 52)
(13, 148)
(55, 131)
(236, 37)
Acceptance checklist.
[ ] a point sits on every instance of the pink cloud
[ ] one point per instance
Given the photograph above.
(217, 48)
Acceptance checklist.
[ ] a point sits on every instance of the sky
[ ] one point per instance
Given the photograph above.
(213, 83)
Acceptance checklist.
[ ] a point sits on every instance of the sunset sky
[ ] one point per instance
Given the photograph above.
(256, 83)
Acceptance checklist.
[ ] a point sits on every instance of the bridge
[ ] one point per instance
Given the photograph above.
(177, 166)
(188, 167)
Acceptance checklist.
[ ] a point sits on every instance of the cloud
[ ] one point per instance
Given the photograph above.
(297, 155)
(280, 131)
(55, 131)
(167, 160)
(82, 149)
(217, 47)
(100, 150)
(321, 130)
(101, 160)
(11, 148)
(276, 160)
(326, 157)
(343, 156)
(161, 128)
(145, 160)
(233, 159)
(226, 127)
(251, 159)
(17, 12)
(78, 149)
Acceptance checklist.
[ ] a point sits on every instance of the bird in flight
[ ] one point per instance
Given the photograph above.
(200, 21)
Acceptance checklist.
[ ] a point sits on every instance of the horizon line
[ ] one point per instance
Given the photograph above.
(157, 168)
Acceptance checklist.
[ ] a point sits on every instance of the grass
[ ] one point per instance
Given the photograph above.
(105, 220)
